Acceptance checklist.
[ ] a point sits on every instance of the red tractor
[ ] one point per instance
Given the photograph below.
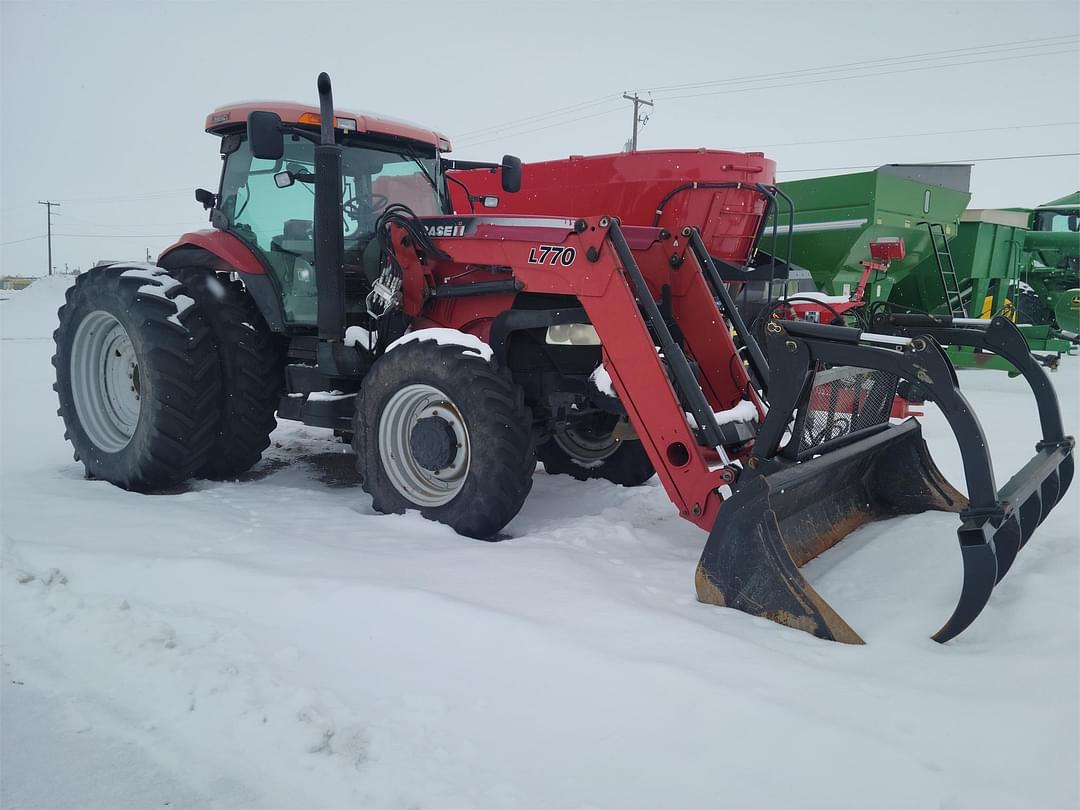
(340, 287)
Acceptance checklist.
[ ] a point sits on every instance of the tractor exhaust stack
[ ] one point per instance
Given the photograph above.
(329, 238)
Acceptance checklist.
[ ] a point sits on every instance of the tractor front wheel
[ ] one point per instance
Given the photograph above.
(443, 430)
(137, 377)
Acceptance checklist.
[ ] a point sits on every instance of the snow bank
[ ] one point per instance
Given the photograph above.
(274, 643)
(31, 312)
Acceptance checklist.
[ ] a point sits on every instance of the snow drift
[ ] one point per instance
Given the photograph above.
(271, 642)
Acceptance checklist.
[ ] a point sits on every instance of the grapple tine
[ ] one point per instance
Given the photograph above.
(980, 575)
(1031, 514)
(1049, 493)
(1065, 474)
(1007, 541)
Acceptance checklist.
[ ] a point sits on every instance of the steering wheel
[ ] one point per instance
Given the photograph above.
(355, 209)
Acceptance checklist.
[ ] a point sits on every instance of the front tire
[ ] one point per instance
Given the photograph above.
(440, 429)
(137, 377)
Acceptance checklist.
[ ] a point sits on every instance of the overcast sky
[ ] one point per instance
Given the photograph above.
(103, 104)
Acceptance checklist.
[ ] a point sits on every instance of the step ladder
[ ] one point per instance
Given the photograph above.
(954, 299)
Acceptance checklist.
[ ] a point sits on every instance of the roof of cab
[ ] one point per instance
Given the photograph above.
(233, 115)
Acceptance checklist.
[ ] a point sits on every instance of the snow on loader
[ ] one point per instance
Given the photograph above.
(339, 288)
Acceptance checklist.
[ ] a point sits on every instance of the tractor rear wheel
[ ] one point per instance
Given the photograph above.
(443, 430)
(591, 449)
(137, 377)
(251, 372)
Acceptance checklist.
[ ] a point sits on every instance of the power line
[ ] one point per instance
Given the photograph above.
(119, 235)
(881, 62)
(146, 195)
(469, 136)
(936, 162)
(548, 126)
(25, 239)
(83, 223)
(829, 79)
(914, 135)
(473, 143)
(605, 99)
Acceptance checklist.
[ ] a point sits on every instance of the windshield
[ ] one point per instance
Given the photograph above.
(279, 222)
(1051, 220)
(258, 210)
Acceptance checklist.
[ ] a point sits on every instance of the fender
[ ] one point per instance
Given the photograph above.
(230, 251)
(225, 253)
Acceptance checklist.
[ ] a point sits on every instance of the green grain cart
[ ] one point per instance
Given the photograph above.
(963, 263)
(991, 256)
(837, 217)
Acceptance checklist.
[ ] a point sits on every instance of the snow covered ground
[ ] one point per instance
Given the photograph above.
(273, 643)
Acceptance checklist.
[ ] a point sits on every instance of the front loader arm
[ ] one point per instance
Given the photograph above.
(593, 259)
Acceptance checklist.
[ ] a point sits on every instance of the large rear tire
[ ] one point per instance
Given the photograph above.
(444, 431)
(137, 377)
(592, 450)
(251, 372)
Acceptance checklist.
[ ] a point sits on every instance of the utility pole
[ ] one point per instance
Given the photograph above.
(637, 119)
(48, 216)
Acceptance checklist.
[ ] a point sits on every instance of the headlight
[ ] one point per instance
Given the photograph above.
(572, 334)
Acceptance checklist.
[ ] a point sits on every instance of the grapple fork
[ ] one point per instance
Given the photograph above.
(839, 464)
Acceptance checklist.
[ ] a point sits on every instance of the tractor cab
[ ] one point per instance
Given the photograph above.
(269, 203)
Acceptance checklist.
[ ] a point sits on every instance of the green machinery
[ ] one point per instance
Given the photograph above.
(995, 263)
(836, 219)
(964, 263)
(1054, 272)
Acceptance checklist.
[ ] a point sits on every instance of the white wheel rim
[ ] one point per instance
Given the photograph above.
(409, 475)
(105, 382)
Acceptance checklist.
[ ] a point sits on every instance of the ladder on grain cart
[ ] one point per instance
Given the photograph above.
(954, 299)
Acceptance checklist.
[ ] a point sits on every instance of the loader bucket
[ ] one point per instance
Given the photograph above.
(777, 523)
(843, 465)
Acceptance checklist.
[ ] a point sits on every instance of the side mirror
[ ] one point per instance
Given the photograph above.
(205, 198)
(264, 135)
(511, 174)
(1074, 223)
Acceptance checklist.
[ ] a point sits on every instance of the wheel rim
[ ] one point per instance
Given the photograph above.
(424, 445)
(105, 382)
(587, 447)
